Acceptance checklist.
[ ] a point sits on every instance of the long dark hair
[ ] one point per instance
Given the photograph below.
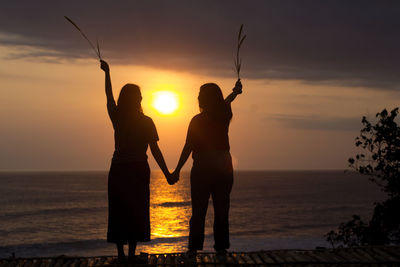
(211, 102)
(129, 101)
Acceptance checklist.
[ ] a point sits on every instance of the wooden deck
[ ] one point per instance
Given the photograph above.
(361, 256)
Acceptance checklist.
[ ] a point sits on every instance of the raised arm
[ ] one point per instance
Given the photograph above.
(156, 152)
(111, 106)
(104, 66)
(236, 91)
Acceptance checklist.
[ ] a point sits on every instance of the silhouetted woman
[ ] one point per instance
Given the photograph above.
(212, 172)
(129, 176)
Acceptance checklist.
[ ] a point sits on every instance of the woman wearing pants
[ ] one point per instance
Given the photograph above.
(212, 173)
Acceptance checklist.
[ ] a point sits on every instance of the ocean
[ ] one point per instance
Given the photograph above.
(65, 213)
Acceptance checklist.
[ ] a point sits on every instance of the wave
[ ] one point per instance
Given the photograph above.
(173, 204)
(54, 211)
(73, 247)
(52, 249)
(77, 210)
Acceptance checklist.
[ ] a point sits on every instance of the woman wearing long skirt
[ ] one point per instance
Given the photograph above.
(212, 173)
(129, 176)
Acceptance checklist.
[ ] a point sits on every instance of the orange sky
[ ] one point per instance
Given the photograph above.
(310, 72)
(53, 116)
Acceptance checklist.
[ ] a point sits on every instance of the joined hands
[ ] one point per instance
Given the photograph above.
(172, 178)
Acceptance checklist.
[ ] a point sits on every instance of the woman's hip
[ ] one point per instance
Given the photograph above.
(213, 162)
(131, 172)
(212, 172)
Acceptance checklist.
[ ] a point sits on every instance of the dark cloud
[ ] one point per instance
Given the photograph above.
(343, 42)
(318, 123)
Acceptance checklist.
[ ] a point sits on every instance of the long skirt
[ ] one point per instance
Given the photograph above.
(128, 202)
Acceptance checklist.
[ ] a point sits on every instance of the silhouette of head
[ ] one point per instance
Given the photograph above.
(130, 99)
(212, 102)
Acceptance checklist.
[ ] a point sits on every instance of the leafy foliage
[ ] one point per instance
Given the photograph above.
(350, 233)
(380, 160)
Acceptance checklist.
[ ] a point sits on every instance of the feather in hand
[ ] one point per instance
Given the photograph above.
(87, 39)
(238, 60)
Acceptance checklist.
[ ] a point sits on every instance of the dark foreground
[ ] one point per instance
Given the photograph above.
(361, 256)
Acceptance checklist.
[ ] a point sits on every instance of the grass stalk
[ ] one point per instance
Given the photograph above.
(238, 60)
(87, 39)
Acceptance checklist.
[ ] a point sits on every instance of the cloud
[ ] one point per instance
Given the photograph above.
(341, 42)
(318, 123)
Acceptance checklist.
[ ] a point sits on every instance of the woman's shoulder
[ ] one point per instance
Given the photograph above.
(146, 119)
(197, 117)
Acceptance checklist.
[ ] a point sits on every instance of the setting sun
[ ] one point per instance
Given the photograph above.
(165, 102)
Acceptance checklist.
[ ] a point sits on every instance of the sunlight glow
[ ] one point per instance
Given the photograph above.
(165, 102)
(170, 212)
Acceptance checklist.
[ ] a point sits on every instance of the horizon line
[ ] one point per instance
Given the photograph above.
(158, 170)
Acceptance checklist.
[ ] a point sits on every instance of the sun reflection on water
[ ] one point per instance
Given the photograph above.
(170, 212)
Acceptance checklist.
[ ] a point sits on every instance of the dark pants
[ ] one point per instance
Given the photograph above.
(218, 185)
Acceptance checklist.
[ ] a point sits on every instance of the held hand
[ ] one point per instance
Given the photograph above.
(104, 66)
(175, 176)
(238, 87)
(170, 178)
